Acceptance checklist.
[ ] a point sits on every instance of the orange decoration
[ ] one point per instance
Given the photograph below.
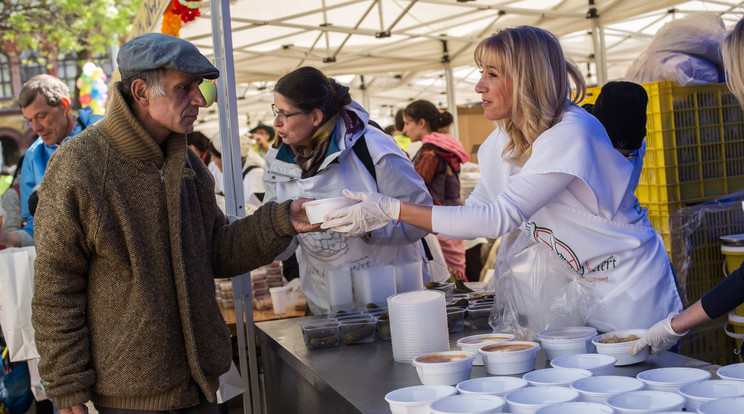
(171, 22)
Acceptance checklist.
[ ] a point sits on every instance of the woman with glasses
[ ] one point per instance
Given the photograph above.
(325, 145)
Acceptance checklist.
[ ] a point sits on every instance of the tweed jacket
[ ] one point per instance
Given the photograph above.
(129, 239)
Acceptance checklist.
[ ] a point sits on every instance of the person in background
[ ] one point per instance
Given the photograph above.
(325, 144)
(729, 293)
(129, 241)
(438, 163)
(550, 171)
(400, 137)
(252, 170)
(263, 135)
(45, 103)
(199, 143)
(11, 202)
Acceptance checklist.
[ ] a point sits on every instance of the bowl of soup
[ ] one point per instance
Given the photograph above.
(617, 344)
(474, 342)
(444, 368)
(508, 358)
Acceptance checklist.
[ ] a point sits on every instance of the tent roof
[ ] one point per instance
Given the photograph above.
(391, 51)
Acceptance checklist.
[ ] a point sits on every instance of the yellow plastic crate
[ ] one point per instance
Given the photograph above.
(694, 143)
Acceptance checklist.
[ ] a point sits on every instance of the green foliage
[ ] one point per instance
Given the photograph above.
(63, 26)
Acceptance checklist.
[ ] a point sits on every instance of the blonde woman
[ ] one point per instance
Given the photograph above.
(549, 169)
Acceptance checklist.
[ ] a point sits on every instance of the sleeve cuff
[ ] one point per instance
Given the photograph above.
(281, 223)
(71, 399)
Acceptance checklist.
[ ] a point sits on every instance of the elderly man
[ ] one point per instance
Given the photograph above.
(129, 239)
(45, 103)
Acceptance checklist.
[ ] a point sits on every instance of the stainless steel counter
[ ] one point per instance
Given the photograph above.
(355, 378)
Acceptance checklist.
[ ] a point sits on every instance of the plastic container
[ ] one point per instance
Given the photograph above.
(417, 399)
(567, 341)
(358, 331)
(530, 399)
(320, 334)
(466, 404)
(599, 388)
(559, 377)
(455, 319)
(722, 406)
(446, 368)
(646, 401)
(478, 316)
(447, 289)
(340, 291)
(733, 372)
(383, 327)
(671, 379)
(701, 392)
(619, 350)
(576, 407)
(316, 209)
(474, 342)
(373, 284)
(491, 385)
(598, 364)
(513, 357)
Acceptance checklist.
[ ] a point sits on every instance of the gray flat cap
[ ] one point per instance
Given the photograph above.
(157, 50)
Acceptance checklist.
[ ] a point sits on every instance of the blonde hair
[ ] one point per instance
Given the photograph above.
(731, 48)
(534, 59)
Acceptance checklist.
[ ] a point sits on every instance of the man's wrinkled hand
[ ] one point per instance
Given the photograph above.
(75, 409)
(298, 217)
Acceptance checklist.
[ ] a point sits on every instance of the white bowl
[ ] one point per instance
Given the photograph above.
(701, 392)
(732, 372)
(598, 364)
(599, 388)
(561, 377)
(491, 385)
(417, 399)
(508, 358)
(470, 403)
(671, 379)
(530, 399)
(620, 350)
(646, 402)
(575, 407)
(567, 341)
(316, 209)
(473, 342)
(446, 367)
(722, 406)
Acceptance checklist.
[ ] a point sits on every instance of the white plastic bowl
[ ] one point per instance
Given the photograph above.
(469, 403)
(620, 350)
(513, 357)
(561, 377)
(671, 379)
(701, 392)
(417, 399)
(733, 372)
(473, 342)
(491, 385)
(646, 402)
(447, 373)
(722, 406)
(567, 341)
(599, 388)
(576, 407)
(316, 209)
(598, 364)
(529, 400)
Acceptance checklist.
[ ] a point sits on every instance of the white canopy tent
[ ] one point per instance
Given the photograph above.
(391, 52)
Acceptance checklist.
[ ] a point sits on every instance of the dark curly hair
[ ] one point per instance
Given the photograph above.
(308, 89)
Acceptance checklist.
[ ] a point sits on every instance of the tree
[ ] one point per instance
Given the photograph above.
(63, 26)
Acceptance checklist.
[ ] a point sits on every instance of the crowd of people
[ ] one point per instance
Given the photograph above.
(130, 233)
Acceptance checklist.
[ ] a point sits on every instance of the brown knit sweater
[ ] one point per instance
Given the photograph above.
(129, 239)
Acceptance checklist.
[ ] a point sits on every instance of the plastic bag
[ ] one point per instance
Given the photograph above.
(686, 51)
(535, 290)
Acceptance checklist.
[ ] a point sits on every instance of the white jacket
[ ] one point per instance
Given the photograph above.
(593, 222)
(342, 169)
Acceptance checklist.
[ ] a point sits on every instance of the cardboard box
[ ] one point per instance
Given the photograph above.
(473, 128)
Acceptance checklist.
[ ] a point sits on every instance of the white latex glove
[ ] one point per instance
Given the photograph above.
(373, 211)
(293, 285)
(659, 337)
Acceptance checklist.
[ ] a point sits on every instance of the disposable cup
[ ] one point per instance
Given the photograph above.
(340, 294)
(279, 299)
(408, 277)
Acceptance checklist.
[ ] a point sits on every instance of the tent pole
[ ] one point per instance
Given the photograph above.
(600, 58)
(450, 83)
(234, 199)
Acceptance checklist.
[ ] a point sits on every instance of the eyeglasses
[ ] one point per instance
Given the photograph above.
(283, 116)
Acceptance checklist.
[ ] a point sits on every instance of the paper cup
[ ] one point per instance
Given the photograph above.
(279, 299)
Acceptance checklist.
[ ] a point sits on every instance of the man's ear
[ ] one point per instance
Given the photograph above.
(65, 102)
(140, 92)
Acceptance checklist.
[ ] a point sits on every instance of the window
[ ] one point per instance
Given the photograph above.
(6, 87)
(67, 70)
(32, 64)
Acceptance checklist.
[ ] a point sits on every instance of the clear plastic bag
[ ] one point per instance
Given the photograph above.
(535, 290)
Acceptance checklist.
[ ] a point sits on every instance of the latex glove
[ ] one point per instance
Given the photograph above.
(373, 211)
(293, 285)
(659, 337)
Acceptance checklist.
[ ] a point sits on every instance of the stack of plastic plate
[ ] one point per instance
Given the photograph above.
(418, 324)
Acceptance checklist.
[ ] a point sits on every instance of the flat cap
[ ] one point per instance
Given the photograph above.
(157, 50)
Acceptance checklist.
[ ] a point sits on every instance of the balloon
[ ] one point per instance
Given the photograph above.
(95, 94)
(79, 83)
(96, 73)
(88, 68)
(85, 98)
(209, 91)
